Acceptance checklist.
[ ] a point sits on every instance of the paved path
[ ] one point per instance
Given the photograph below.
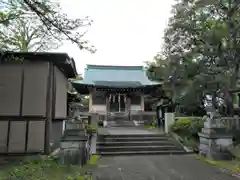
(158, 167)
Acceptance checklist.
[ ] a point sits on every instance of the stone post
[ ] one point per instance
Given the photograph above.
(73, 147)
(169, 120)
(94, 122)
(215, 139)
(237, 122)
(94, 119)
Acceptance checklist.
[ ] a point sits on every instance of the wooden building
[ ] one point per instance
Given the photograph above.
(33, 100)
(115, 89)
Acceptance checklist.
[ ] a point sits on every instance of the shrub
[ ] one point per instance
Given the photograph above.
(91, 129)
(187, 126)
(181, 125)
(100, 123)
(154, 123)
(196, 126)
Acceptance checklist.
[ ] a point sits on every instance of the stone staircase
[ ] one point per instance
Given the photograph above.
(138, 144)
(120, 119)
(121, 123)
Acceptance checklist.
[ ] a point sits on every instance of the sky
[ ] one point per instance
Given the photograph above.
(124, 32)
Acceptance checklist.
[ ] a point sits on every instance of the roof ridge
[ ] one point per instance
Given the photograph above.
(115, 67)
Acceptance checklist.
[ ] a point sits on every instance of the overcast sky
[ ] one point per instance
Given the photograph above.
(125, 32)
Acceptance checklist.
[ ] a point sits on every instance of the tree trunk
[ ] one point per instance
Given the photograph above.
(214, 101)
(228, 100)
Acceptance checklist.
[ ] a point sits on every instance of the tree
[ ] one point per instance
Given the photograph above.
(26, 35)
(49, 17)
(201, 45)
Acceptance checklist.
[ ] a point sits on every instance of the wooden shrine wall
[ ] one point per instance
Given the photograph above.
(23, 97)
(98, 101)
(24, 103)
(136, 102)
(60, 94)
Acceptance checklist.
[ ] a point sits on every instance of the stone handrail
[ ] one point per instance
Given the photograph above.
(228, 122)
(188, 117)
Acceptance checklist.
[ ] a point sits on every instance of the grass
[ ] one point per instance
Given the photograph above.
(94, 160)
(232, 165)
(149, 127)
(46, 169)
(188, 141)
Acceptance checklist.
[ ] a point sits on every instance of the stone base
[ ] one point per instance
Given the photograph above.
(73, 147)
(215, 146)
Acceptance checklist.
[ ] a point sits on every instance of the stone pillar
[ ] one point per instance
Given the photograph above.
(107, 108)
(169, 120)
(94, 119)
(215, 140)
(94, 122)
(142, 102)
(90, 102)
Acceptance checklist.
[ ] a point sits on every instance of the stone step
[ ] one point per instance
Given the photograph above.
(121, 125)
(137, 148)
(125, 153)
(137, 135)
(132, 139)
(137, 143)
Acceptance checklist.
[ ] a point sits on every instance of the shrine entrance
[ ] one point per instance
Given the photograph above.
(117, 102)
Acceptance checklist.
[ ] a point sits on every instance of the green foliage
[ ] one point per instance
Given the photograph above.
(43, 170)
(235, 98)
(154, 123)
(91, 129)
(100, 123)
(200, 52)
(182, 125)
(39, 25)
(188, 127)
(94, 160)
(14, 59)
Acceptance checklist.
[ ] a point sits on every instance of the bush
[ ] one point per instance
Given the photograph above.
(187, 126)
(91, 129)
(181, 125)
(196, 126)
(100, 123)
(154, 123)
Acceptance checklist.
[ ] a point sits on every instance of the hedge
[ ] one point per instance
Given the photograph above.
(188, 126)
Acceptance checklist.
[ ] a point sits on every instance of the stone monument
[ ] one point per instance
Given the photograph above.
(215, 140)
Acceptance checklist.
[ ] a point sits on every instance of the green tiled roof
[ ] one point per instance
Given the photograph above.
(115, 76)
(127, 84)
